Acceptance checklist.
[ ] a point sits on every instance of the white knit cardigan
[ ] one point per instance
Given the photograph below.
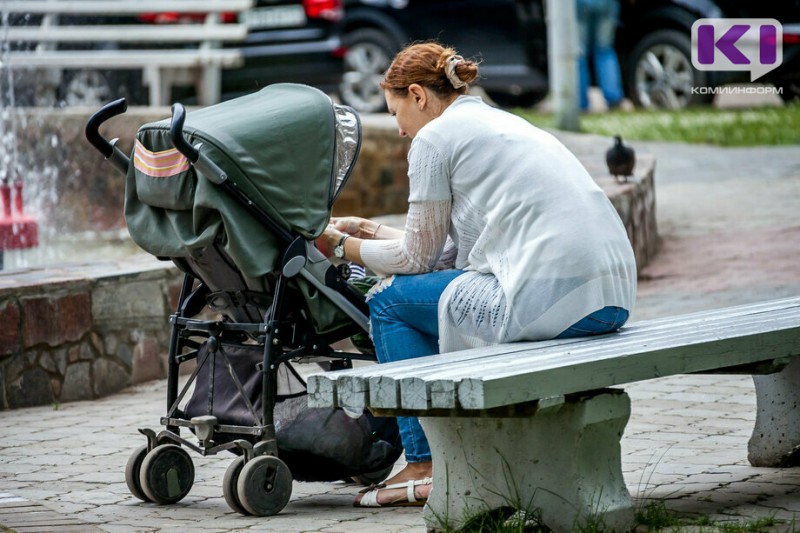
(540, 242)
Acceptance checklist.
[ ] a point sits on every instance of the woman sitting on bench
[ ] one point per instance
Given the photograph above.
(507, 238)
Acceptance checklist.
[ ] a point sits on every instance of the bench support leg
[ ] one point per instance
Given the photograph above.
(158, 88)
(210, 85)
(563, 462)
(776, 437)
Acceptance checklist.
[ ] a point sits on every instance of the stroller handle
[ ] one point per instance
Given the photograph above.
(105, 147)
(198, 159)
(176, 134)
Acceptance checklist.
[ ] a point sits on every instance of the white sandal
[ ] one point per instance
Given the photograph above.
(370, 498)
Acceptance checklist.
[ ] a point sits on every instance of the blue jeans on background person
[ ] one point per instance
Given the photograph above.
(597, 26)
(405, 325)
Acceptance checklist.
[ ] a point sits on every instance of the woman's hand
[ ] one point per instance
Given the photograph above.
(328, 240)
(349, 225)
(361, 228)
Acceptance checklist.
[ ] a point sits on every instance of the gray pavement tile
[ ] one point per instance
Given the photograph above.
(789, 503)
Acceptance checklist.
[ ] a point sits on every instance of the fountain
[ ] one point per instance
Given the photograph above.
(77, 324)
(17, 229)
(71, 209)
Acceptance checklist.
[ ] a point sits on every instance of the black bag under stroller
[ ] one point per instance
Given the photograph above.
(234, 194)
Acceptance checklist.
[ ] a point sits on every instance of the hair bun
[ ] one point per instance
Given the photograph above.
(450, 71)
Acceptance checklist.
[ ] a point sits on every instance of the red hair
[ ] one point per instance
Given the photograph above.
(426, 64)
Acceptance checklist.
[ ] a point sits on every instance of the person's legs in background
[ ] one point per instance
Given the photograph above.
(597, 26)
(606, 62)
(404, 319)
(583, 13)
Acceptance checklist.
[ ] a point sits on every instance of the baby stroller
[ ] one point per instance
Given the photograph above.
(234, 194)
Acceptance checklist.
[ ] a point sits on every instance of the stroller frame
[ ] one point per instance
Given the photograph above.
(258, 482)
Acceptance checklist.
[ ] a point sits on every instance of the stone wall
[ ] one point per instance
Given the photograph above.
(635, 201)
(80, 332)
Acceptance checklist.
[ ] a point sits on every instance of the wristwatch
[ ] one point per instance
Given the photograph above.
(339, 250)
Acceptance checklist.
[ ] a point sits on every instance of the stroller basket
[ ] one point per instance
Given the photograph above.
(234, 195)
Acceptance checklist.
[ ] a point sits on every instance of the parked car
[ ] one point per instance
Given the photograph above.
(508, 35)
(654, 46)
(653, 42)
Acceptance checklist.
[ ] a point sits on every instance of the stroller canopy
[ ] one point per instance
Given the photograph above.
(288, 147)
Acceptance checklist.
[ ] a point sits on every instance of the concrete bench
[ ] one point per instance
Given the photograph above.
(196, 57)
(535, 425)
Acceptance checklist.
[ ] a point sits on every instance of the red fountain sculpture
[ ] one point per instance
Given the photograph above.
(17, 230)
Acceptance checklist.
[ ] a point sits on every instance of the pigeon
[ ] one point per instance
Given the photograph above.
(620, 160)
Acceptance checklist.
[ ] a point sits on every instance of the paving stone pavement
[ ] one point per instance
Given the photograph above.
(730, 219)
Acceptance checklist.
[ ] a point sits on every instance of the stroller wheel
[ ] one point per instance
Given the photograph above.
(132, 472)
(230, 486)
(167, 474)
(265, 485)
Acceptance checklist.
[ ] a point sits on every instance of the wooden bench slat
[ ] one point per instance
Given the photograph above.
(200, 63)
(635, 333)
(663, 352)
(439, 381)
(477, 353)
(128, 33)
(382, 382)
(353, 389)
(620, 345)
(664, 356)
(481, 394)
(125, 59)
(635, 340)
(123, 7)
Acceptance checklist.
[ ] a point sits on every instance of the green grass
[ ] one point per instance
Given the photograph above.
(722, 127)
(663, 522)
(654, 517)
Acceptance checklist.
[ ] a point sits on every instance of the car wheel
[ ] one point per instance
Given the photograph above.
(95, 87)
(369, 54)
(85, 88)
(526, 99)
(659, 72)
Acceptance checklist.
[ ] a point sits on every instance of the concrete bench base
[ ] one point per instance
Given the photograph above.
(776, 435)
(562, 459)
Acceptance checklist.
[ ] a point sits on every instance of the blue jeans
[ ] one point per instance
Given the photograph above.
(605, 320)
(405, 325)
(597, 26)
